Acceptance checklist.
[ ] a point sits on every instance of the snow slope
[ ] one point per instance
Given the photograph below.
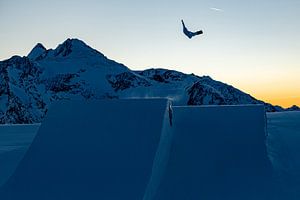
(91, 150)
(284, 151)
(145, 149)
(282, 143)
(73, 70)
(217, 152)
(14, 141)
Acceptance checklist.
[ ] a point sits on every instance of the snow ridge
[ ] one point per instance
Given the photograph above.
(74, 70)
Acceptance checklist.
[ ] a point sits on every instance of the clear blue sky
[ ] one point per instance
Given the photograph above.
(254, 45)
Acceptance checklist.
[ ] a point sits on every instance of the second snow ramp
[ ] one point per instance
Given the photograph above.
(91, 150)
(217, 152)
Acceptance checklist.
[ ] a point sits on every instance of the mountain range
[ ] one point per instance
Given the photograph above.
(74, 70)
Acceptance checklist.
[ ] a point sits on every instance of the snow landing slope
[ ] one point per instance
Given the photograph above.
(145, 149)
(74, 70)
(104, 151)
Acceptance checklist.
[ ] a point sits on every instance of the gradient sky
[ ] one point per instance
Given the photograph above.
(252, 45)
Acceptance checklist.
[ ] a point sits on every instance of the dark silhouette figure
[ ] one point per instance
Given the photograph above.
(188, 33)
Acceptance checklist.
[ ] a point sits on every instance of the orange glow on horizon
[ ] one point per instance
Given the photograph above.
(281, 87)
(284, 102)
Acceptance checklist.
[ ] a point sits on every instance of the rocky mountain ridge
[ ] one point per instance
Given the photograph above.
(74, 70)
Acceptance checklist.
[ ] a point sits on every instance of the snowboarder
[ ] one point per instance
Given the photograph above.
(188, 33)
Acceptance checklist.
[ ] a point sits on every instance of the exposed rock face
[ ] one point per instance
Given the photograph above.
(293, 108)
(74, 70)
(201, 94)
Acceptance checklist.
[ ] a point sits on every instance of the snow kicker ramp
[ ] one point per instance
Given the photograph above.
(91, 150)
(217, 152)
(145, 150)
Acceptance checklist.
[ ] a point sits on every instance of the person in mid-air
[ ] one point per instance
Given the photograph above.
(188, 33)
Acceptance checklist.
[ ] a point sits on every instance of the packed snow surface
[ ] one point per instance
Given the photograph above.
(91, 150)
(282, 142)
(284, 151)
(217, 152)
(14, 141)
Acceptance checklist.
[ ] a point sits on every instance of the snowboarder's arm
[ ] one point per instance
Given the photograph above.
(182, 23)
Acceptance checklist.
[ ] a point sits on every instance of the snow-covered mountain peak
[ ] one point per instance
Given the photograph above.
(74, 55)
(70, 48)
(293, 108)
(37, 50)
(75, 48)
(74, 70)
(40, 45)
